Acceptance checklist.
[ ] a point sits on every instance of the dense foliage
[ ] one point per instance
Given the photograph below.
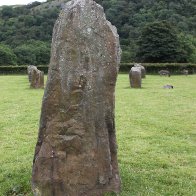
(131, 17)
(159, 42)
(7, 57)
(33, 52)
(22, 26)
(28, 31)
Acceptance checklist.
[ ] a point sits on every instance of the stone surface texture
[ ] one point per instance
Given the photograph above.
(135, 77)
(143, 70)
(29, 71)
(36, 78)
(76, 152)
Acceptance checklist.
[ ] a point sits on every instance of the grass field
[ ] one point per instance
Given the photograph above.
(156, 132)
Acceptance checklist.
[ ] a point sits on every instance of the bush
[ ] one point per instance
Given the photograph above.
(7, 56)
(25, 54)
(33, 52)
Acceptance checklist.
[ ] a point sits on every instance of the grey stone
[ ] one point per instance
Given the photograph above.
(168, 86)
(29, 71)
(76, 152)
(164, 73)
(185, 72)
(143, 70)
(37, 78)
(135, 77)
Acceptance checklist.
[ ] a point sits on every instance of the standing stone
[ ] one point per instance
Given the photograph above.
(135, 77)
(29, 71)
(41, 79)
(76, 152)
(37, 78)
(143, 70)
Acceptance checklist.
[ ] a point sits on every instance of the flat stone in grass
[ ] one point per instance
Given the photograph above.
(164, 72)
(76, 152)
(168, 86)
(135, 77)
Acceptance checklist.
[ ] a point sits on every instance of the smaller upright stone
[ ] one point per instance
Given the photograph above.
(29, 71)
(37, 78)
(135, 77)
(143, 70)
(41, 79)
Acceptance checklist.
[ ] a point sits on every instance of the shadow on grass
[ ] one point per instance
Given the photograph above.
(128, 87)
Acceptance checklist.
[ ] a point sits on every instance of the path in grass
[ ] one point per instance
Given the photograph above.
(156, 131)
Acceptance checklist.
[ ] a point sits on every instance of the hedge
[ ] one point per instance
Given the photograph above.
(20, 69)
(152, 68)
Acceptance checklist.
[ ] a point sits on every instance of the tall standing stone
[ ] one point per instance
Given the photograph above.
(76, 152)
(135, 77)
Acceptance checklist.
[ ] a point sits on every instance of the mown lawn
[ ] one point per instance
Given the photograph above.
(156, 130)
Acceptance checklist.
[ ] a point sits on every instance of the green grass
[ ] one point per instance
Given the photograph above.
(156, 131)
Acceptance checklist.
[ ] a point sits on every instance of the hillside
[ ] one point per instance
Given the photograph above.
(28, 29)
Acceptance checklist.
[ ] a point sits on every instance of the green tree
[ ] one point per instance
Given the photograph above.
(7, 56)
(41, 51)
(7, 12)
(188, 47)
(33, 52)
(159, 42)
(36, 20)
(25, 55)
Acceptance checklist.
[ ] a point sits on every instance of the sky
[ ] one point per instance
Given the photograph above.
(17, 2)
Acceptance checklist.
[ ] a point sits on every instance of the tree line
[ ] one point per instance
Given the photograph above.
(150, 31)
